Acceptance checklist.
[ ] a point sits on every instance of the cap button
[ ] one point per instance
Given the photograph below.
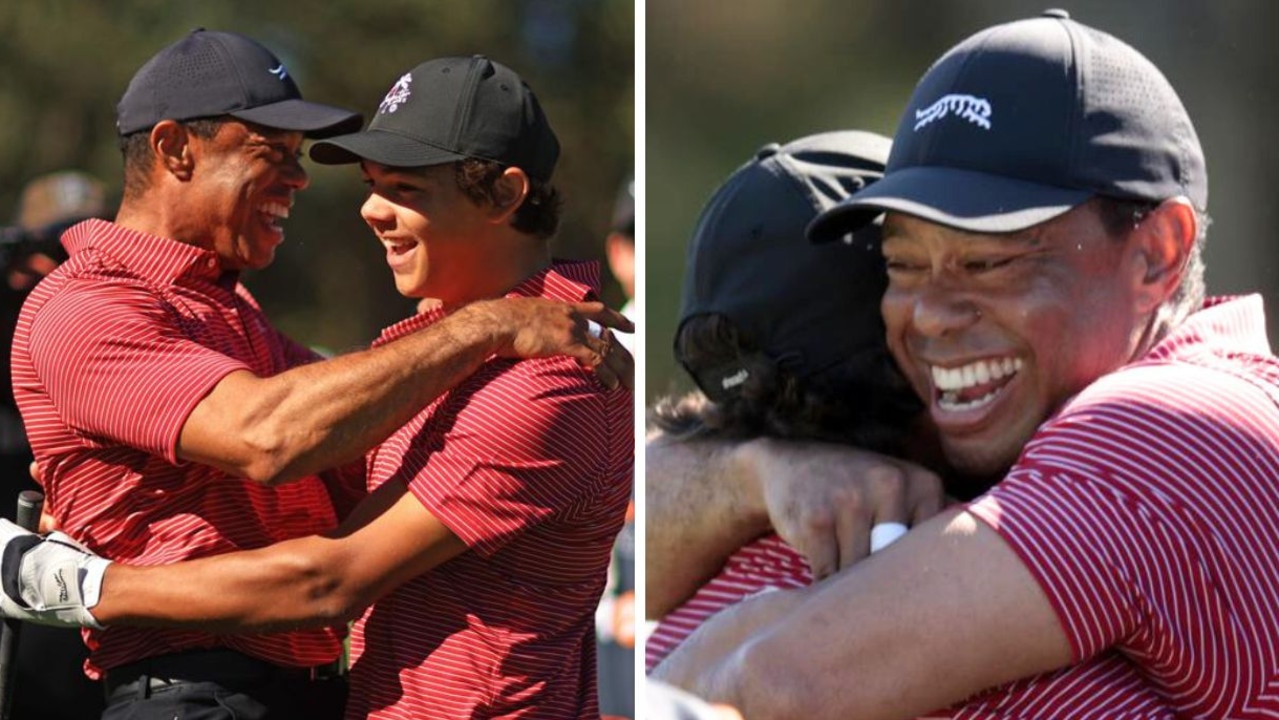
(1056, 13)
(767, 151)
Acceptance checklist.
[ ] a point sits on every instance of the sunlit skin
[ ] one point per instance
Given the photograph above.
(244, 185)
(239, 186)
(441, 244)
(1059, 297)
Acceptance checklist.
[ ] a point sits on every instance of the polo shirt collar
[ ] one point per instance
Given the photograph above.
(1237, 324)
(152, 256)
(563, 280)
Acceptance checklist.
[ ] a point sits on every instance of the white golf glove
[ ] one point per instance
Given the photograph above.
(50, 580)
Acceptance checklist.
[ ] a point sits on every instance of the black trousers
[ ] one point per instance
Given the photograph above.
(220, 685)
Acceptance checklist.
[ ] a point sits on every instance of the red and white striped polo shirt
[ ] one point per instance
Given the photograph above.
(1148, 511)
(530, 464)
(1105, 688)
(112, 352)
(765, 564)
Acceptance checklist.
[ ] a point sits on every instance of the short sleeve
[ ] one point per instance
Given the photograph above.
(1081, 540)
(119, 369)
(1138, 512)
(515, 445)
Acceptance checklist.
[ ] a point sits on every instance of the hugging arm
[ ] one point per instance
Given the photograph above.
(706, 498)
(310, 581)
(490, 481)
(313, 417)
(947, 611)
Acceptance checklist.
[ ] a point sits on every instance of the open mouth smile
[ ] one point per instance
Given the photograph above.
(975, 385)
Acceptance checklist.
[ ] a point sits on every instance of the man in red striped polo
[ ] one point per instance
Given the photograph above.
(488, 531)
(171, 421)
(1044, 204)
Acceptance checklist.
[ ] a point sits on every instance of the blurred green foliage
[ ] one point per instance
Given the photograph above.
(65, 63)
(724, 78)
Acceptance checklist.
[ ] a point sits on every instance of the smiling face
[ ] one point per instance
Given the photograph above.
(245, 179)
(995, 332)
(438, 241)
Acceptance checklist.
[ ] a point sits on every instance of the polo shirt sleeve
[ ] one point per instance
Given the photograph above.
(1131, 510)
(516, 444)
(1081, 539)
(119, 369)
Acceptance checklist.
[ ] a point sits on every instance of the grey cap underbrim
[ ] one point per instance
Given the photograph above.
(313, 119)
(380, 146)
(964, 199)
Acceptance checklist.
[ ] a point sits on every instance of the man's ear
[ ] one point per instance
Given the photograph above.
(172, 147)
(1164, 239)
(508, 194)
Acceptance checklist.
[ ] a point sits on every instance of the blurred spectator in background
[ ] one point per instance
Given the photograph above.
(619, 246)
(30, 250)
(51, 684)
(615, 618)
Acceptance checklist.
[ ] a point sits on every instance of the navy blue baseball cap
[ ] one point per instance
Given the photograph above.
(805, 306)
(211, 73)
(1022, 122)
(451, 109)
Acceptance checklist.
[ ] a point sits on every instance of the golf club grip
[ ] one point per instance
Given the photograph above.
(30, 505)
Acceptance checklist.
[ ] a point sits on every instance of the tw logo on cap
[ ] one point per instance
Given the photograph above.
(969, 107)
(398, 95)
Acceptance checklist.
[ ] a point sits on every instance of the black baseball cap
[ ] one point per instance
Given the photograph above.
(210, 73)
(806, 306)
(450, 109)
(1024, 121)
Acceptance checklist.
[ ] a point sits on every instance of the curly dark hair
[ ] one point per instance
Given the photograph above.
(862, 401)
(538, 216)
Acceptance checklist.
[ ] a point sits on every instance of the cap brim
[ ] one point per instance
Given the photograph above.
(313, 119)
(962, 199)
(380, 146)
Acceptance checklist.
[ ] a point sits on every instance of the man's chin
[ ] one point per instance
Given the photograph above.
(983, 460)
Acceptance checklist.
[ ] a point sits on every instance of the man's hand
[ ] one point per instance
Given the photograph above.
(823, 499)
(49, 581)
(707, 498)
(533, 327)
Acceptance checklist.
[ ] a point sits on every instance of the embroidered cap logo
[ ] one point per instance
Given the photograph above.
(398, 95)
(735, 379)
(969, 107)
(279, 71)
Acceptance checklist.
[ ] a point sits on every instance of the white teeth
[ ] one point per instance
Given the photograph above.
(973, 374)
(983, 372)
(278, 210)
(950, 403)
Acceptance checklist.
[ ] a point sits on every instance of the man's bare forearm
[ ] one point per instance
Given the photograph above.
(297, 583)
(701, 505)
(317, 416)
(947, 611)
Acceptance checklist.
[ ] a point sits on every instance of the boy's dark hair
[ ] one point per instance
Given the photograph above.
(862, 401)
(539, 215)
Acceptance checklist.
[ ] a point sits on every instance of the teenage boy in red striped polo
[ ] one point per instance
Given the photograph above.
(487, 534)
(1045, 201)
(170, 421)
